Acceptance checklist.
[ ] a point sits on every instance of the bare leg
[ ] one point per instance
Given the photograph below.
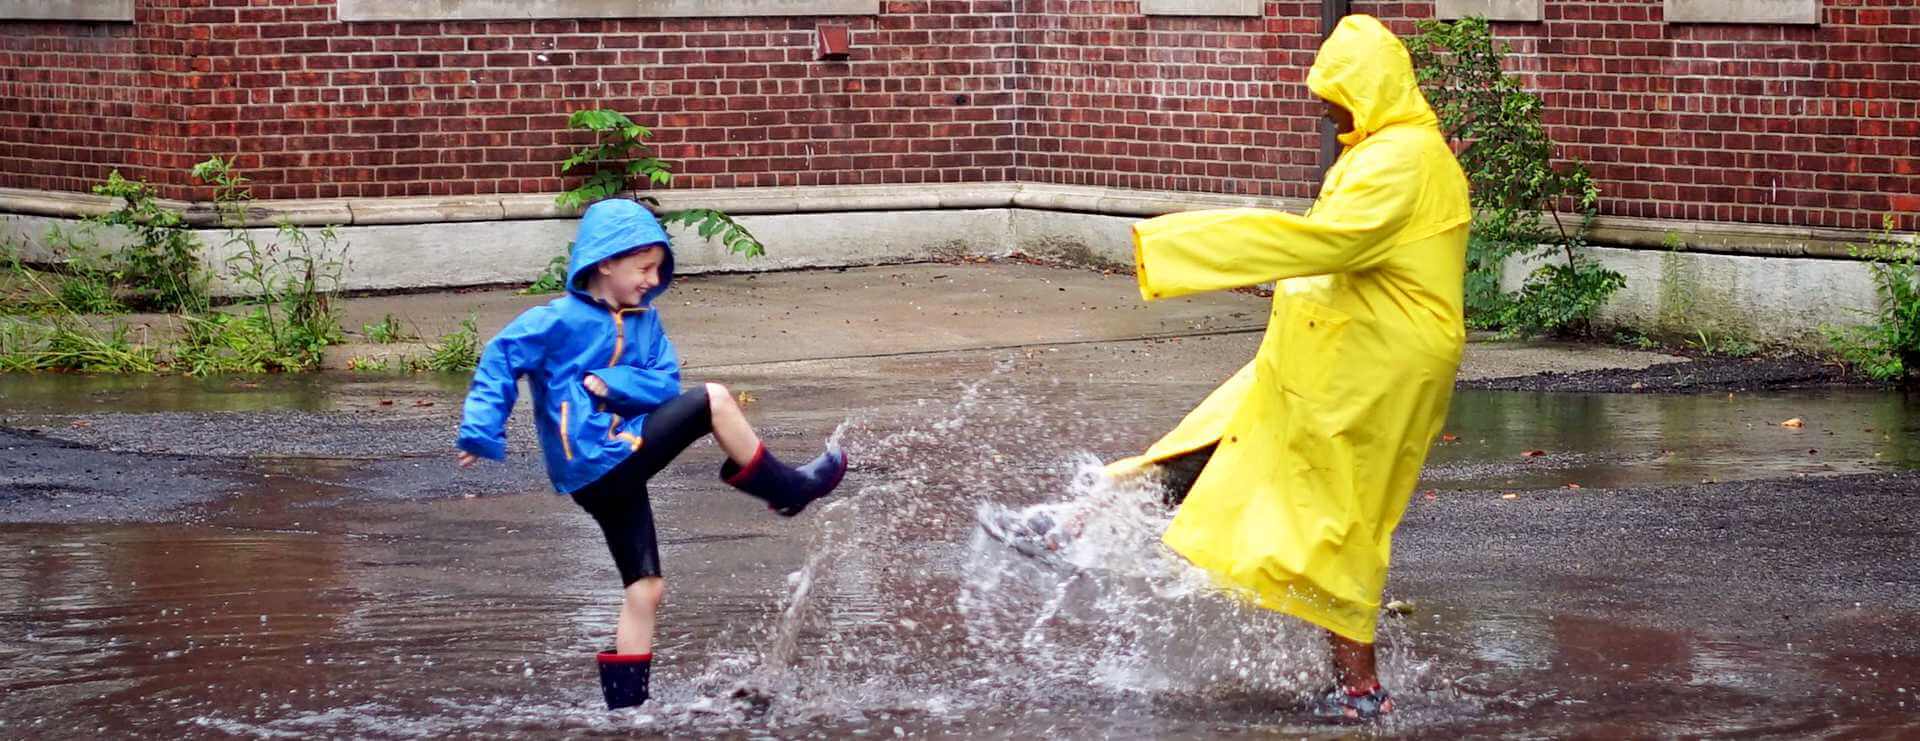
(1353, 664)
(635, 632)
(730, 427)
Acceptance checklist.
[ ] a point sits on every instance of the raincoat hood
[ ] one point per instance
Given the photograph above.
(1364, 68)
(610, 228)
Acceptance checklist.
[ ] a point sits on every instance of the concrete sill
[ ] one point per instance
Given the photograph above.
(469, 10)
(111, 11)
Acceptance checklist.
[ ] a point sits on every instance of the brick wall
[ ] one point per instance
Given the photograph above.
(79, 100)
(1763, 124)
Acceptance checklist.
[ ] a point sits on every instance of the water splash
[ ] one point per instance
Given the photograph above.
(904, 606)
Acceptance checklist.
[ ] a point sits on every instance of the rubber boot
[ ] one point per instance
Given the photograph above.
(624, 678)
(786, 489)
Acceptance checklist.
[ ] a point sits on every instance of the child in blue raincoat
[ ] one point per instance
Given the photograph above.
(610, 413)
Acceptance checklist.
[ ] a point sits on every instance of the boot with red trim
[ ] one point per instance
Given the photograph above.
(624, 678)
(787, 490)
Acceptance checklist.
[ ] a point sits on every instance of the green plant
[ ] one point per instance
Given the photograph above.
(161, 266)
(618, 155)
(69, 344)
(365, 364)
(386, 331)
(617, 158)
(456, 351)
(1887, 347)
(87, 294)
(1518, 193)
(289, 283)
(554, 278)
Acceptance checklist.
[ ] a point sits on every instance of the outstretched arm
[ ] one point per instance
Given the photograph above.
(1351, 228)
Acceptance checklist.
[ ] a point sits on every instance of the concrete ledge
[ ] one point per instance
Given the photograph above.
(1251, 8)
(1710, 237)
(1774, 300)
(782, 200)
(113, 11)
(466, 10)
(1798, 12)
(1493, 10)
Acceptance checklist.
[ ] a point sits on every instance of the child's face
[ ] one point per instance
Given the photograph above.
(625, 280)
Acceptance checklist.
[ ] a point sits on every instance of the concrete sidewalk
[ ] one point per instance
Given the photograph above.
(724, 321)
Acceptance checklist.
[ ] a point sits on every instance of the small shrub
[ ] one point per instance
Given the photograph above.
(554, 278)
(68, 344)
(387, 331)
(619, 158)
(364, 364)
(1887, 348)
(1518, 192)
(161, 267)
(455, 352)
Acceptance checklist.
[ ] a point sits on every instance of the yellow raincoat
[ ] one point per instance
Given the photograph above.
(1321, 438)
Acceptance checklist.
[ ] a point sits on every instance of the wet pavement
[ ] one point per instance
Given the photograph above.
(296, 556)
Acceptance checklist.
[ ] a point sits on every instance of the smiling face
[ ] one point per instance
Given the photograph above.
(625, 280)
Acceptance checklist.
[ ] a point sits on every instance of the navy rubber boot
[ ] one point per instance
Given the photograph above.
(786, 489)
(624, 678)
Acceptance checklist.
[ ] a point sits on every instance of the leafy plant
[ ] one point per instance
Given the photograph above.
(365, 364)
(1518, 193)
(70, 344)
(1887, 347)
(387, 331)
(554, 278)
(456, 351)
(618, 159)
(289, 283)
(161, 266)
(619, 156)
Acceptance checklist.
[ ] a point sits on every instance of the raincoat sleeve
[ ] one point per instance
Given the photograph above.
(634, 390)
(1352, 227)
(516, 351)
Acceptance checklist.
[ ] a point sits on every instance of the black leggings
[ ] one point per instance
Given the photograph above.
(1179, 473)
(618, 500)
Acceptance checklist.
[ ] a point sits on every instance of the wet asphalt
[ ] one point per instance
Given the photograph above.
(297, 555)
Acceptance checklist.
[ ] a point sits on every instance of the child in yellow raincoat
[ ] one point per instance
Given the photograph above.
(1306, 457)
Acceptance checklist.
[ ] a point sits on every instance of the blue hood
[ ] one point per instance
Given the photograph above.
(610, 228)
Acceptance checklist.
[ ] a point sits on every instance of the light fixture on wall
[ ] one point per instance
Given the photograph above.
(832, 41)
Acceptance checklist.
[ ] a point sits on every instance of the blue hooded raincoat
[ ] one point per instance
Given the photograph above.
(555, 346)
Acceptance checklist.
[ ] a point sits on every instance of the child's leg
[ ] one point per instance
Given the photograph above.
(620, 505)
(730, 427)
(635, 632)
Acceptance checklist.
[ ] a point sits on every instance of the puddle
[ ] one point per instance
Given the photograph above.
(303, 608)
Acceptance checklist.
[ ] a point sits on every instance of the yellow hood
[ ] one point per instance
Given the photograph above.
(1365, 69)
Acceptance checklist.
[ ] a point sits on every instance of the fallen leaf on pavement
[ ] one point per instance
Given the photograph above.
(1449, 437)
(1573, 486)
(1399, 607)
(1533, 454)
(747, 397)
(423, 403)
(1794, 423)
(386, 402)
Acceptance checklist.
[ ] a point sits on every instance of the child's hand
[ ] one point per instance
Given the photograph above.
(468, 459)
(595, 386)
